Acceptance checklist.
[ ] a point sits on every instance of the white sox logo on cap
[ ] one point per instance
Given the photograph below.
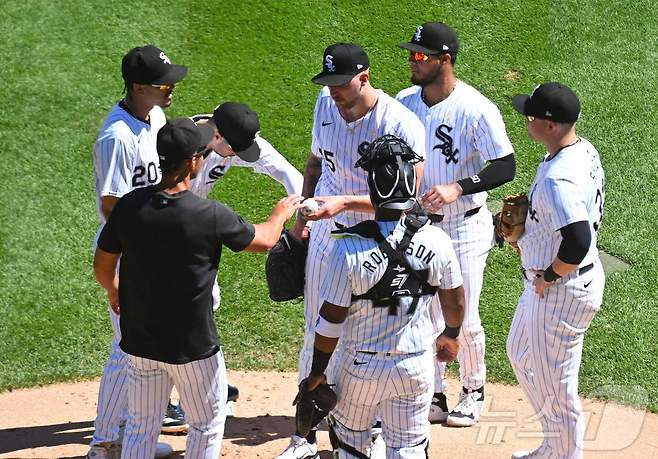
(329, 62)
(419, 29)
(164, 58)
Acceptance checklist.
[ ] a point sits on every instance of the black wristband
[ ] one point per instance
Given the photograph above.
(320, 362)
(452, 332)
(550, 275)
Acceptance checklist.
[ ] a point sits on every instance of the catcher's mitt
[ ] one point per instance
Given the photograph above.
(284, 268)
(312, 406)
(510, 222)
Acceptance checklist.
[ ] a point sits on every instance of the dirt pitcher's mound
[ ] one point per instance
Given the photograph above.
(57, 421)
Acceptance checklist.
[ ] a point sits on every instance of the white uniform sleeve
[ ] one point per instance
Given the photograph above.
(449, 274)
(336, 287)
(274, 164)
(315, 132)
(566, 201)
(113, 164)
(490, 136)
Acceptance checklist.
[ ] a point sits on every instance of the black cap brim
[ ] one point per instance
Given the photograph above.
(251, 154)
(207, 131)
(519, 102)
(174, 75)
(417, 48)
(332, 79)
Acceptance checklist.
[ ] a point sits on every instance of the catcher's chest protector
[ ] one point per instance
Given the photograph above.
(399, 279)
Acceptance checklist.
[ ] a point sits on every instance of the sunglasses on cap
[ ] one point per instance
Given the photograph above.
(164, 87)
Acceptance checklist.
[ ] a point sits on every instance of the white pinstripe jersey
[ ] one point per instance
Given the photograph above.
(336, 143)
(125, 155)
(463, 132)
(271, 163)
(568, 188)
(357, 264)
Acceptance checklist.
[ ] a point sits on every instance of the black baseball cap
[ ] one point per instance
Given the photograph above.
(150, 65)
(340, 63)
(433, 38)
(181, 139)
(551, 101)
(239, 125)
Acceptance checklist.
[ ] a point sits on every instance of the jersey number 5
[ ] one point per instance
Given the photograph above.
(328, 155)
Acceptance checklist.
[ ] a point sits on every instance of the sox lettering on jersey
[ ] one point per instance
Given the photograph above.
(446, 146)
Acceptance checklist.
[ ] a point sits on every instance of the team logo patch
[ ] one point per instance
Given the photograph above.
(419, 30)
(164, 58)
(446, 145)
(329, 63)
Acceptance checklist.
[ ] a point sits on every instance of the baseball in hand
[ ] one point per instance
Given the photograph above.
(309, 206)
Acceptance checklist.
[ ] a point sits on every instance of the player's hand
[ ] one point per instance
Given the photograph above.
(540, 283)
(329, 207)
(113, 299)
(440, 195)
(314, 381)
(446, 348)
(287, 206)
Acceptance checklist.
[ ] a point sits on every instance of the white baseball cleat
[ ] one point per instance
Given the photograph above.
(520, 454)
(467, 412)
(299, 448)
(438, 408)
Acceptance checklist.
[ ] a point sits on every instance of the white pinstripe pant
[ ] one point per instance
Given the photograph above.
(395, 389)
(203, 390)
(545, 346)
(320, 247)
(472, 238)
(112, 406)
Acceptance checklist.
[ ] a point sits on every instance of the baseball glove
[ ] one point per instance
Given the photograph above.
(284, 268)
(312, 406)
(510, 222)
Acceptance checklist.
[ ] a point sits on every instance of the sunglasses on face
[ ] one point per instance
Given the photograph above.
(165, 87)
(418, 56)
(530, 118)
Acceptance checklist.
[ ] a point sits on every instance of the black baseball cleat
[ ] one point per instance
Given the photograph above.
(233, 394)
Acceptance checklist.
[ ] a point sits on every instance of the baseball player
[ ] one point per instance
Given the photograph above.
(468, 153)
(165, 283)
(235, 124)
(125, 158)
(564, 278)
(377, 295)
(349, 114)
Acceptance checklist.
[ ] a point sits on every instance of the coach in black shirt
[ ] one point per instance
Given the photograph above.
(170, 244)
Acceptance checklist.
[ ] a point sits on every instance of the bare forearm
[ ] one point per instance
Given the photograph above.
(312, 173)
(267, 234)
(452, 305)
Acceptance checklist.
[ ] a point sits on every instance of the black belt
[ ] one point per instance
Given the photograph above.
(438, 218)
(581, 271)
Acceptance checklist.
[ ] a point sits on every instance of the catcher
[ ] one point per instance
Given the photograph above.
(381, 281)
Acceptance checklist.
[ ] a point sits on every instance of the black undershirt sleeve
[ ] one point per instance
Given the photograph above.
(576, 239)
(497, 172)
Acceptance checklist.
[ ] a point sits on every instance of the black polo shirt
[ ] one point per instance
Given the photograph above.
(170, 249)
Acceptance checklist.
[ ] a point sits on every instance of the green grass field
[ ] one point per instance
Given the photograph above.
(60, 75)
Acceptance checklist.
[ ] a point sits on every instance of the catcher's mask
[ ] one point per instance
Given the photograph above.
(389, 162)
